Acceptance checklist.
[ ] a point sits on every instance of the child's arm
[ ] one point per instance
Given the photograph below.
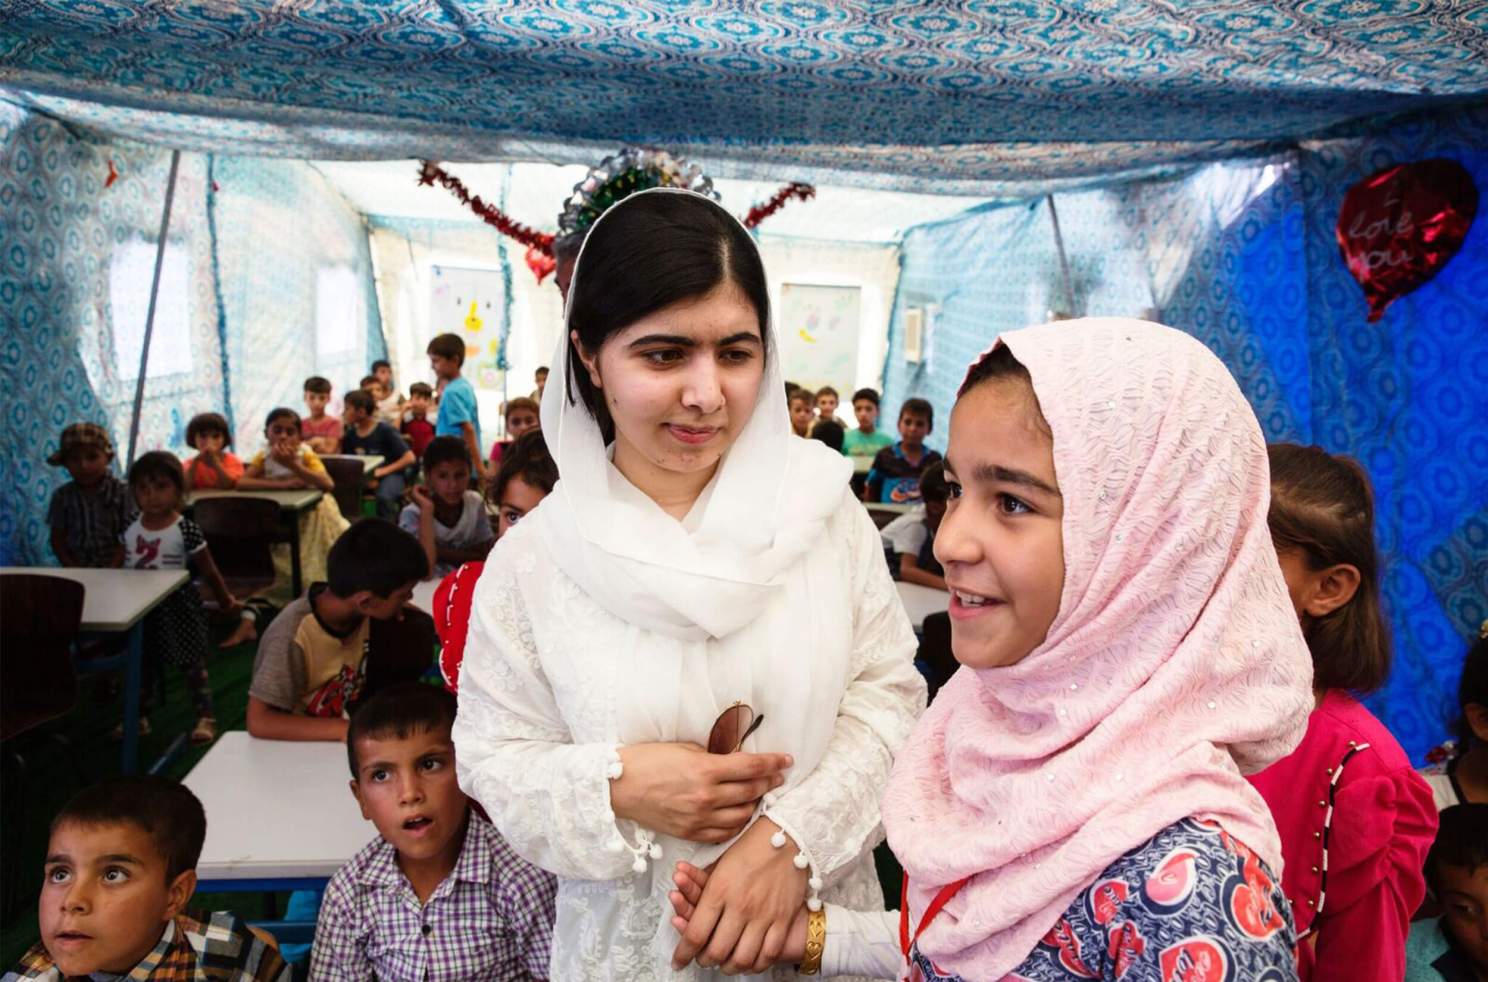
(209, 571)
(324, 444)
(271, 723)
(64, 555)
(910, 572)
(459, 555)
(214, 461)
(338, 956)
(425, 505)
(467, 432)
(402, 463)
(253, 478)
(309, 477)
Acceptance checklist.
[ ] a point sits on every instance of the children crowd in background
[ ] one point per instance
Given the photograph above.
(343, 662)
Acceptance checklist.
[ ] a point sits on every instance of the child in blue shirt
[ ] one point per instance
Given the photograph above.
(895, 477)
(459, 416)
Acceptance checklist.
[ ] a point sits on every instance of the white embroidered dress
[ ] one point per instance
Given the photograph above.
(601, 622)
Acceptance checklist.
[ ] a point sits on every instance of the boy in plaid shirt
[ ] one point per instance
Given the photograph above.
(120, 867)
(439, 895)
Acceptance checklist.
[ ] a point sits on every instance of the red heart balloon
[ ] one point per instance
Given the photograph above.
(541, 263)
(1398, 227)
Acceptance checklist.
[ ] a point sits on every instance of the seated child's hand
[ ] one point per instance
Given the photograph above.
(690, 882)
(234, 605)
(421, 497)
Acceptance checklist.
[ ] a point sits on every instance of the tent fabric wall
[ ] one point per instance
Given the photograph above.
(61, 234)
(1244, 258)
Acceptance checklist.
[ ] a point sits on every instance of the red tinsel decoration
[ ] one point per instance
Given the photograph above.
(777, 201)
(431, 173)
(113, 174)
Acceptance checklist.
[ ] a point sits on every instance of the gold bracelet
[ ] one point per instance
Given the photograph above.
(816, 942)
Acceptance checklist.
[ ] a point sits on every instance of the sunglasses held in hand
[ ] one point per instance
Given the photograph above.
(733, 726)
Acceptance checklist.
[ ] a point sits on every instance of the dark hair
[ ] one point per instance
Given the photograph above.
(915, 406)
(791, 389)
(399, 711)
(1000, 365)
(521, 402)
(541, 370)
(933, 487)
(366, 381)
(450, 347)
(568, 246)
(279, 412)
(870, 394)
(1472, 690)
(360, 400)
(648, 252)
(827, 390)
(1461, 841)
(421, 389)
(158, 465)
(442, 450)
(830, 432)
(206, 424)
(1321, 505)
(163, 809)
(318, 385)
(374, 555)
(528, 458)
(802, 395)
(382, 363)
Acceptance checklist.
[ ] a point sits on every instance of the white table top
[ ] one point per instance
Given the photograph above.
(896, 509)
(276, 809)
(370, 461)
(289, 499)
(922, 601)
(113, 599)
(861, 464)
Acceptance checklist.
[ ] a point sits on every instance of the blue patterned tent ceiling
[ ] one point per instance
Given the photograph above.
(962, 95)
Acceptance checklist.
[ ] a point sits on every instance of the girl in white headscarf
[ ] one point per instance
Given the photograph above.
(693, 555)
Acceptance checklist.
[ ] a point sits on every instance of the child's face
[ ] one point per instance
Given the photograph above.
(316, 402)
(387, 608)
(210, 441)
(517, 499)
(1001, 541)
(800, 411)
(284, 430)
(826, 406)
(520, 421)
(1464, 896)
(540, 377)
(444, 367)
(87, 465)
(867, 414)
(449, 480)
(418, 405)
(156, 496)
(407, 788)
(913, 428)
(383, 374)
(104, 897)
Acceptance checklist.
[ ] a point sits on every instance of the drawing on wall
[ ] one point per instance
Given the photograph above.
(818, 329)
(468, 302)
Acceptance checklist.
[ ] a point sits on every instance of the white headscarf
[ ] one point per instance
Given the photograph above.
(714, 572)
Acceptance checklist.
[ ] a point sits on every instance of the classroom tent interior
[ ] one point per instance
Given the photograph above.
(979, 166)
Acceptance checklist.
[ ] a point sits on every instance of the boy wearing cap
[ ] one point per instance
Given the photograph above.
(88, 514)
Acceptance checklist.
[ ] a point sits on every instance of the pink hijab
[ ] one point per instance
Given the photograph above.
(1174, 666)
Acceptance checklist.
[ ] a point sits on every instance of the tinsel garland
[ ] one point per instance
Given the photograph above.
(777, 201)
(430, 173)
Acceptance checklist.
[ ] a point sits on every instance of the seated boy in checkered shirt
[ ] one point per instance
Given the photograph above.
(439, 895)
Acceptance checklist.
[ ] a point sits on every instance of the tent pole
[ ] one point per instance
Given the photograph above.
(1069, 292)
(139, 385)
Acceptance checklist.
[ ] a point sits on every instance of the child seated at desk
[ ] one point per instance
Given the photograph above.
(313, 660)
(88, 513)
(366, 435)
(214, 468)
(120, 868)
(320, 429)
(287, 465)
(448, 517)
(895, 477)
(909, 540)
(438, 895)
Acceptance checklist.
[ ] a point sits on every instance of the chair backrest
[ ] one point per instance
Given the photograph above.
(347, 476)
(239, 530)
(40, 617)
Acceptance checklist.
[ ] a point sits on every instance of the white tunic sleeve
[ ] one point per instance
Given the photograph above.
(549, 797)
(833, 813)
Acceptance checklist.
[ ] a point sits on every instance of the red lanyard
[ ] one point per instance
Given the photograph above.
(941, 899)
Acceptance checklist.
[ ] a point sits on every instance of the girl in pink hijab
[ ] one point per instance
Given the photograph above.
(1074, 805)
